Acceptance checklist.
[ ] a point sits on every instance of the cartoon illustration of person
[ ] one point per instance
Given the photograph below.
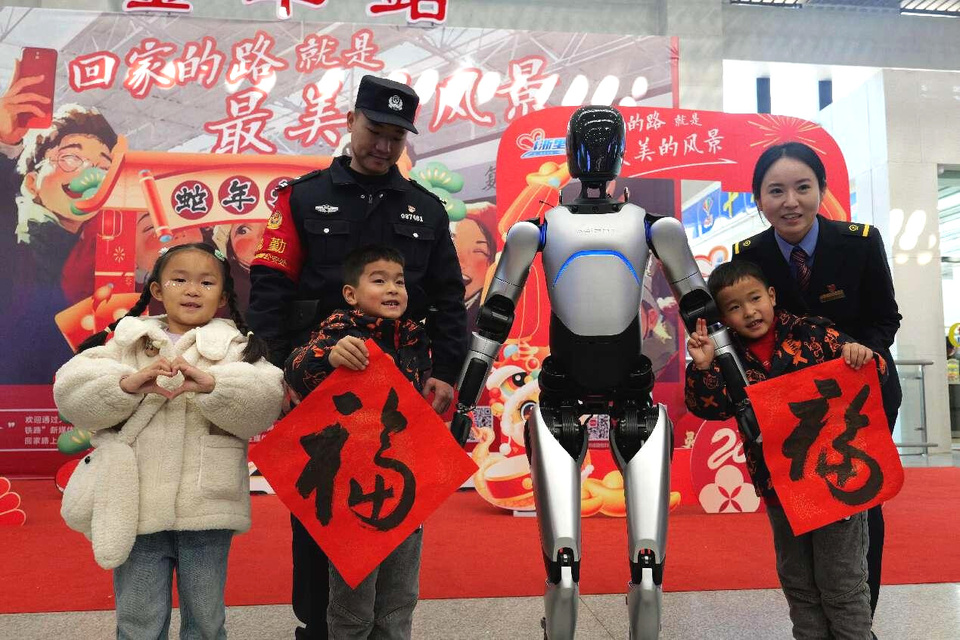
(476, 250)
(47, 245)
(148, 244)
(239, 242)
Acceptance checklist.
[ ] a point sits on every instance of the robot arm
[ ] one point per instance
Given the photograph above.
(668, 241)
(495, 320)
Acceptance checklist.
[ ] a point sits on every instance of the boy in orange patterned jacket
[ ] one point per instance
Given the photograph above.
(382, 605)
(824, 572)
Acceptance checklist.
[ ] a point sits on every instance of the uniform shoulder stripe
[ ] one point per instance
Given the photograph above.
(306, 176)
(746, 245)
(853, 228)
(427, 191)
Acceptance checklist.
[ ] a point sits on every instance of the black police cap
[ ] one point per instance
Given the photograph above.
(387, 102)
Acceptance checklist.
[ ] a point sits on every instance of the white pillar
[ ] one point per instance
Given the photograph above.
(923, 121)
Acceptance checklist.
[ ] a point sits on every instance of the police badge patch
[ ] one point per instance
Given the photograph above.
(276, 219)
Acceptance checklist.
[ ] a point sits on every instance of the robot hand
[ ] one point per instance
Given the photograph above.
(460, 427)
(483, 352)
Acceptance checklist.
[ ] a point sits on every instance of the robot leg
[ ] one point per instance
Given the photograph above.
(643, 445)
(556, 445)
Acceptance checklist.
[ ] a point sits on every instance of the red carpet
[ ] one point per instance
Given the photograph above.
(475, 550)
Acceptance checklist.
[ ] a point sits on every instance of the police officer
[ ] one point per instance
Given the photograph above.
(296, 281)
(827, 268)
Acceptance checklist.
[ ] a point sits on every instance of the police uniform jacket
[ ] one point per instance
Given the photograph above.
(850, 283)
(296, 277)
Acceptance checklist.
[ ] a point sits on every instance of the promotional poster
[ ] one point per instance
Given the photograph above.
(124, 133)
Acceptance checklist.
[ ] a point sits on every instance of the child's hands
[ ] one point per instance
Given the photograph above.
(290, 399)
(193, 378)
(350, 352)
(700, 346)
(145, 380)
(856, 355)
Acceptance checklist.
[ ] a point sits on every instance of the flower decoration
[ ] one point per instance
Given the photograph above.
(11, 515)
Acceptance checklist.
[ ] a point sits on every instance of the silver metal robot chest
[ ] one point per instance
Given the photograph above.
(594, 266)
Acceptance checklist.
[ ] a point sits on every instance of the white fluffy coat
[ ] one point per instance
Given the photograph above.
(191, 451)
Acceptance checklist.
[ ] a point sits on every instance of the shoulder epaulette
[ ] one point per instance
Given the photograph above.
(427, 191)
(746, 245)
(853, 228)
(306, 176)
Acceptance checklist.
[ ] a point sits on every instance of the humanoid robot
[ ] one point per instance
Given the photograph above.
(595, 253)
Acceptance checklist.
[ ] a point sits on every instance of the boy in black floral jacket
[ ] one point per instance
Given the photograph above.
(382, 605)
(824, 572)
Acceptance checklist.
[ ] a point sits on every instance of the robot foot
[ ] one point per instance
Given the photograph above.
(644, 601)
(560, 601)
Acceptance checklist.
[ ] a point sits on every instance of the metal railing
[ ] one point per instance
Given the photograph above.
(922, 428)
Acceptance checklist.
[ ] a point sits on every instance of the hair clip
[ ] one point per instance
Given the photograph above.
(163, 251)
(220, 256)
(249, 334)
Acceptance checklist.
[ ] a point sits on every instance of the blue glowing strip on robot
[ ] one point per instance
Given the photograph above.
(595, 252)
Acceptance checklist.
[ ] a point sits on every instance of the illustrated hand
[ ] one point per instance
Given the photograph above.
(145, 380)
(193, 378)
(350, 352)
(856, 355)
(442, 394)
(290, 399)
(700, 346)
(17, 102)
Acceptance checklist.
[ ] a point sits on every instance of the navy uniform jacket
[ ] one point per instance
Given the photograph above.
(850, 283)
(296, 277)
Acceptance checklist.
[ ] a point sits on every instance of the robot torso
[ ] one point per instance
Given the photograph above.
(594, 266)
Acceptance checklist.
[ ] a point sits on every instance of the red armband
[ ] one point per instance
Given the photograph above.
(280, 246)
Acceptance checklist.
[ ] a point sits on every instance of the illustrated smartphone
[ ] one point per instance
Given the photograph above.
(40, 62)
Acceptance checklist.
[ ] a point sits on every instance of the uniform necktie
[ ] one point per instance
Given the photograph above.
(798, 258)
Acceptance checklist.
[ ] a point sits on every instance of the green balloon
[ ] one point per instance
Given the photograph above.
(441, 176)
(436, 174)
(73, 441)
(420, 179)
(456, 209)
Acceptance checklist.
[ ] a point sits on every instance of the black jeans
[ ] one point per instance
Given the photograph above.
(311, 584)
(876, 527)
(874, 553)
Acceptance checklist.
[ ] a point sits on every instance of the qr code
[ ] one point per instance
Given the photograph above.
(599, 427)
(483, 417)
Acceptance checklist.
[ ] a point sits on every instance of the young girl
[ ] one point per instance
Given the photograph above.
(202, 388)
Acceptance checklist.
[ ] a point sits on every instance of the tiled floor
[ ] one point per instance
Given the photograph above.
(906, 612)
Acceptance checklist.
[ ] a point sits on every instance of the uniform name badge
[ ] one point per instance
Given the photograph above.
(832, 294)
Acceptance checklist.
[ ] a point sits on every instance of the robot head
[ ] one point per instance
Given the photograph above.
(596, 137)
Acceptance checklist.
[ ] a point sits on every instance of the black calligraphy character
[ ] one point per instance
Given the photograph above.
(393, 422)
(854, 420)
(490, 177)
(812, 414)
(324, 449)
(194, 201)
(239, 196)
